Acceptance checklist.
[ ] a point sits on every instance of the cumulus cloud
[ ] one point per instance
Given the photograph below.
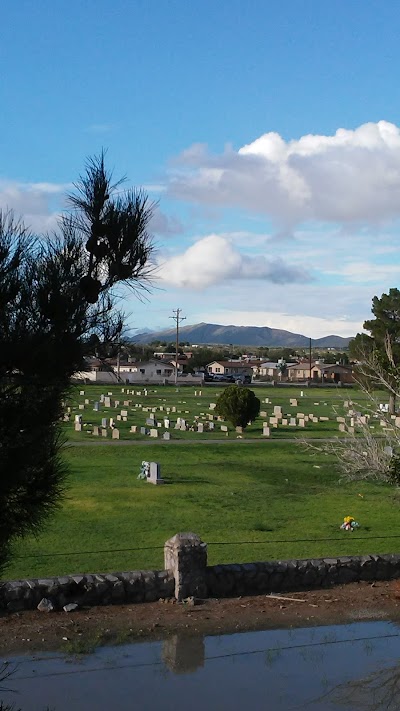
(352, 176)
(37, 204)
(212, 260)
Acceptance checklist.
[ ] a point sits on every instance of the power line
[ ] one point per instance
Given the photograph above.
(210, 543)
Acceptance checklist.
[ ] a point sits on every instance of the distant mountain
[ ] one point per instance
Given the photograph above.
(215, 334)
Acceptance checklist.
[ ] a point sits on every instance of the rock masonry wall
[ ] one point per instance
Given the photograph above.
(289, 575)
(88, 590)
(183, 579)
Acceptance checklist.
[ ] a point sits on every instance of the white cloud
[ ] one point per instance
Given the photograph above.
(353, 176)
(212, 260)
(368, 272)
(37, 204)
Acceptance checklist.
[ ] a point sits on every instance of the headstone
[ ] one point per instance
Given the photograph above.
(81, 407)
(154, 476)
(266, 430)
(302, 393)
(86, 402)
(107, 401)
(302, 423)
(78, 419)
(104, 433)
(78, 427)
(96, 407)
(211, 426)
(342, 427)
(96, 430)
(277, 410)
(284, 422)
(239, 430)
(153, 433)
(119, 418)
(263, 413)
(293, 402)
(200, 427)
(124, 413)
(143, 430)
(82, 392)
(133, 429)
(292, 422)
(104, 422)
(167, 436)
(166, 423)
(173, 408)
(115, 433)
(224, 428)
(213, 405)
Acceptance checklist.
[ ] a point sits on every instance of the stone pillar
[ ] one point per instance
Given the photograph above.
(186, 556)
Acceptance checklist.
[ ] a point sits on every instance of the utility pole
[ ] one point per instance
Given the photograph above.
(177, 318)
(310, 358)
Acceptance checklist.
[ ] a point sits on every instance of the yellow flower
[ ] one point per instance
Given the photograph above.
(348, 519)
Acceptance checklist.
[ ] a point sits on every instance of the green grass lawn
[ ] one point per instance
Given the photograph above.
(247, 496)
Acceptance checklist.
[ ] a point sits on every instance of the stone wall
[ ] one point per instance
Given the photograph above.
(88, 590)
(290, 575)
(186, 575)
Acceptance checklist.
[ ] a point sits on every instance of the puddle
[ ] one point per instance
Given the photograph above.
(354, 667)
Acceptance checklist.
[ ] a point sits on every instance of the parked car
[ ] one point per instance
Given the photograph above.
(208, 378)
(243, 379)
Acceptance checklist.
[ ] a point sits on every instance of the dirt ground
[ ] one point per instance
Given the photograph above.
(81, 631)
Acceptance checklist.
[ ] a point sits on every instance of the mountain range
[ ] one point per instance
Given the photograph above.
(215, 334)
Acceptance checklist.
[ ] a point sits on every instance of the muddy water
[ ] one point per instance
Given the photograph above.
(354, 667)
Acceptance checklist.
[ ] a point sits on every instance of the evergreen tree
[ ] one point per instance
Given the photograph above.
(238, 405)
(55, 293)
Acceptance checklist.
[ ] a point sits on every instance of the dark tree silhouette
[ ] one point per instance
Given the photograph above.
(55, 293)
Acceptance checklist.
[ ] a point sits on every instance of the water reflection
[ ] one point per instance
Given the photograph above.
(337, 668)
(183, 655)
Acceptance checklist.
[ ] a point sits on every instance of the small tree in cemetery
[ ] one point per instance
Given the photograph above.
(238, 405)
(380, 352)
(360, 454)
(56, 292)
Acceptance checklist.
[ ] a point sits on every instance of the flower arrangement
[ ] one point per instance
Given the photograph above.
(349, 524)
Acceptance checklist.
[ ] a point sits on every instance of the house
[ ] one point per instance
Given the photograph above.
(152, 369)
(271, 370)
(230, 367)
(320, 372)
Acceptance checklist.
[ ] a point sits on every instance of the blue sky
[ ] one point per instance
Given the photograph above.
(267, 131)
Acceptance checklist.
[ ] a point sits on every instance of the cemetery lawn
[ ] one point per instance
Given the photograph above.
(248, 502)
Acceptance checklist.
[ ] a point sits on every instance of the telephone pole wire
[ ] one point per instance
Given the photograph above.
(177, 318)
